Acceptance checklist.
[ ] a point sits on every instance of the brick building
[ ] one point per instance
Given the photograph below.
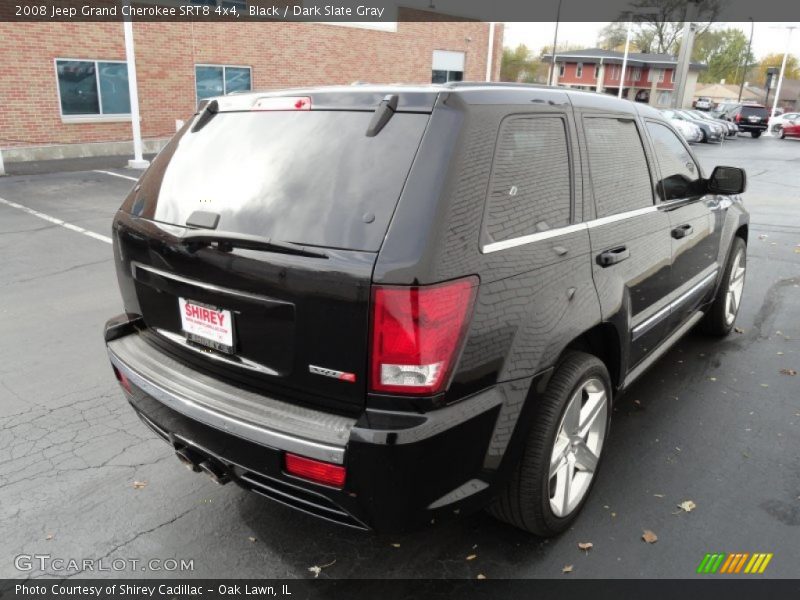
(64, 85)
(648, 78)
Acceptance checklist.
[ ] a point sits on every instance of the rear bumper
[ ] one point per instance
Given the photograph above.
(403, 470)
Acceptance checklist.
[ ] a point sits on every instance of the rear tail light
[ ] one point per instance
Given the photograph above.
(738, 118)
(123, 380)
(314, 470)
(283, 103)
(417, 333)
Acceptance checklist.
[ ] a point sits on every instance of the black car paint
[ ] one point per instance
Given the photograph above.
(411, 460)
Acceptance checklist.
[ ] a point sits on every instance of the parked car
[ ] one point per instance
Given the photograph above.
(790, 129)
(751, 118)
(711, 131)
(731, 129)
(387, 305)
(702, 103)
(690, 132)
(777, 123)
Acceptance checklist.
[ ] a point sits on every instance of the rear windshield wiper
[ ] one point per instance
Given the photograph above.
(227, 241)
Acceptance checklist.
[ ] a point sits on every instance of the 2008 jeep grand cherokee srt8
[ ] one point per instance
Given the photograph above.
(380, 304)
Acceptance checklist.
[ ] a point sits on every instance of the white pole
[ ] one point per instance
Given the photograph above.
(490, 53)
(2, 166)
(625, 60)
(780, 80)
(138, 161)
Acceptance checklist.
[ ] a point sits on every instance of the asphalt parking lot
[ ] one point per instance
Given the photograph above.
(714, 422)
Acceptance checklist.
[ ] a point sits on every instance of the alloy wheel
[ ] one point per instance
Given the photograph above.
(577, 447)
(735, 288)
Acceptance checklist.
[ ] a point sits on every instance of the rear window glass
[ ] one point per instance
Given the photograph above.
(758, 111)
(308, 177)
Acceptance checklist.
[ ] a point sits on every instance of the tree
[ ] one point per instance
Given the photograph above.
(612, 36)
(724, 52)
(774, 61)
(519, 65)
(661, 28)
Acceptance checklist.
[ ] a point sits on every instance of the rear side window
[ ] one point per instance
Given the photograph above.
(618, 166)
(308, 177)
(529, 189)
(679, 173)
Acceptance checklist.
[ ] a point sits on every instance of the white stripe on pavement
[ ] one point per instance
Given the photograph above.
(117, 175)
(70, 226)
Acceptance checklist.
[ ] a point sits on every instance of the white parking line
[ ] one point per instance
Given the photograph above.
(70, 226)
(117, 175)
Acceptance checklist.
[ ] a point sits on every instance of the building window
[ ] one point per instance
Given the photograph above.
(636, 74)
(93, 87)
(597, 71)
(560, 69)
(672, 76)
(664, 98)
(614, 72)
(447, 66)
(218, 80)
(655, 75)
(579, 71)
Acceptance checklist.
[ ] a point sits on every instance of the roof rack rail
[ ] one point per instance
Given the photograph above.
(500, 84)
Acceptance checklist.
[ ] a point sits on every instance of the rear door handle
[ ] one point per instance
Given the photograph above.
(682, 231)
(613, 256)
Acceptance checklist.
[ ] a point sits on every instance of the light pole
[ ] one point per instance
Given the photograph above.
(746, 60)
(138, 161)
(555, 41)
(789, 29)
(625, 57)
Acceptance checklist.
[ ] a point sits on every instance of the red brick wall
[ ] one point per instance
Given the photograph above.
(280, 54)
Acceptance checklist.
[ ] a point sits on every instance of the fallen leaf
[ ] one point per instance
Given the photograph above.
(49, 536)
(316, 570)
(658, 495)
(138, 485)
(649, 537)
(472, 557)
(481, 576)
(687, 505)
(567, 569)
(712, 378)
(738, 330)
(613, 514)
(395, 545)
(764, 385)
(252, 539)
(763, 236)
(585, 545)
(791, 372)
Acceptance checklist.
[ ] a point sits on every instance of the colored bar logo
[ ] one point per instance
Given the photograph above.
(734, 563)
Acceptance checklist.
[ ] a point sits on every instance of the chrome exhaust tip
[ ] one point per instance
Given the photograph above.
(216, 471)
(188, 458)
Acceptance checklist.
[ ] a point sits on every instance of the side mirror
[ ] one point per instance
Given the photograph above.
(727, 180)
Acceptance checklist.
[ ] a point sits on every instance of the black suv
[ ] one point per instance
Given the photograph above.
(387, 305)
(749, 117)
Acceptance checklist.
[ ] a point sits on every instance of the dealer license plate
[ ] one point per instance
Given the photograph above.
(207, 325)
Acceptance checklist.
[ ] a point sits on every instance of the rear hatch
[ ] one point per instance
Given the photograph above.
(754, 115)
(248, 246)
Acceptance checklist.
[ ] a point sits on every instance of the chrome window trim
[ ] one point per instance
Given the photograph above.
(546, 235)
(533, 237)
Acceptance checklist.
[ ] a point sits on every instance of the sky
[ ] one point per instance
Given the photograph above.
(766, 40)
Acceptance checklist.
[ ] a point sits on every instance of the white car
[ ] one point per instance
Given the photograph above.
(703, 103)
(776, 123)
(689, 131)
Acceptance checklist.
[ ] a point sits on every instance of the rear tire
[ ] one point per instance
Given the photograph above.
(721, 315)
(755, 134)
(783, 133)
(563, 450)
